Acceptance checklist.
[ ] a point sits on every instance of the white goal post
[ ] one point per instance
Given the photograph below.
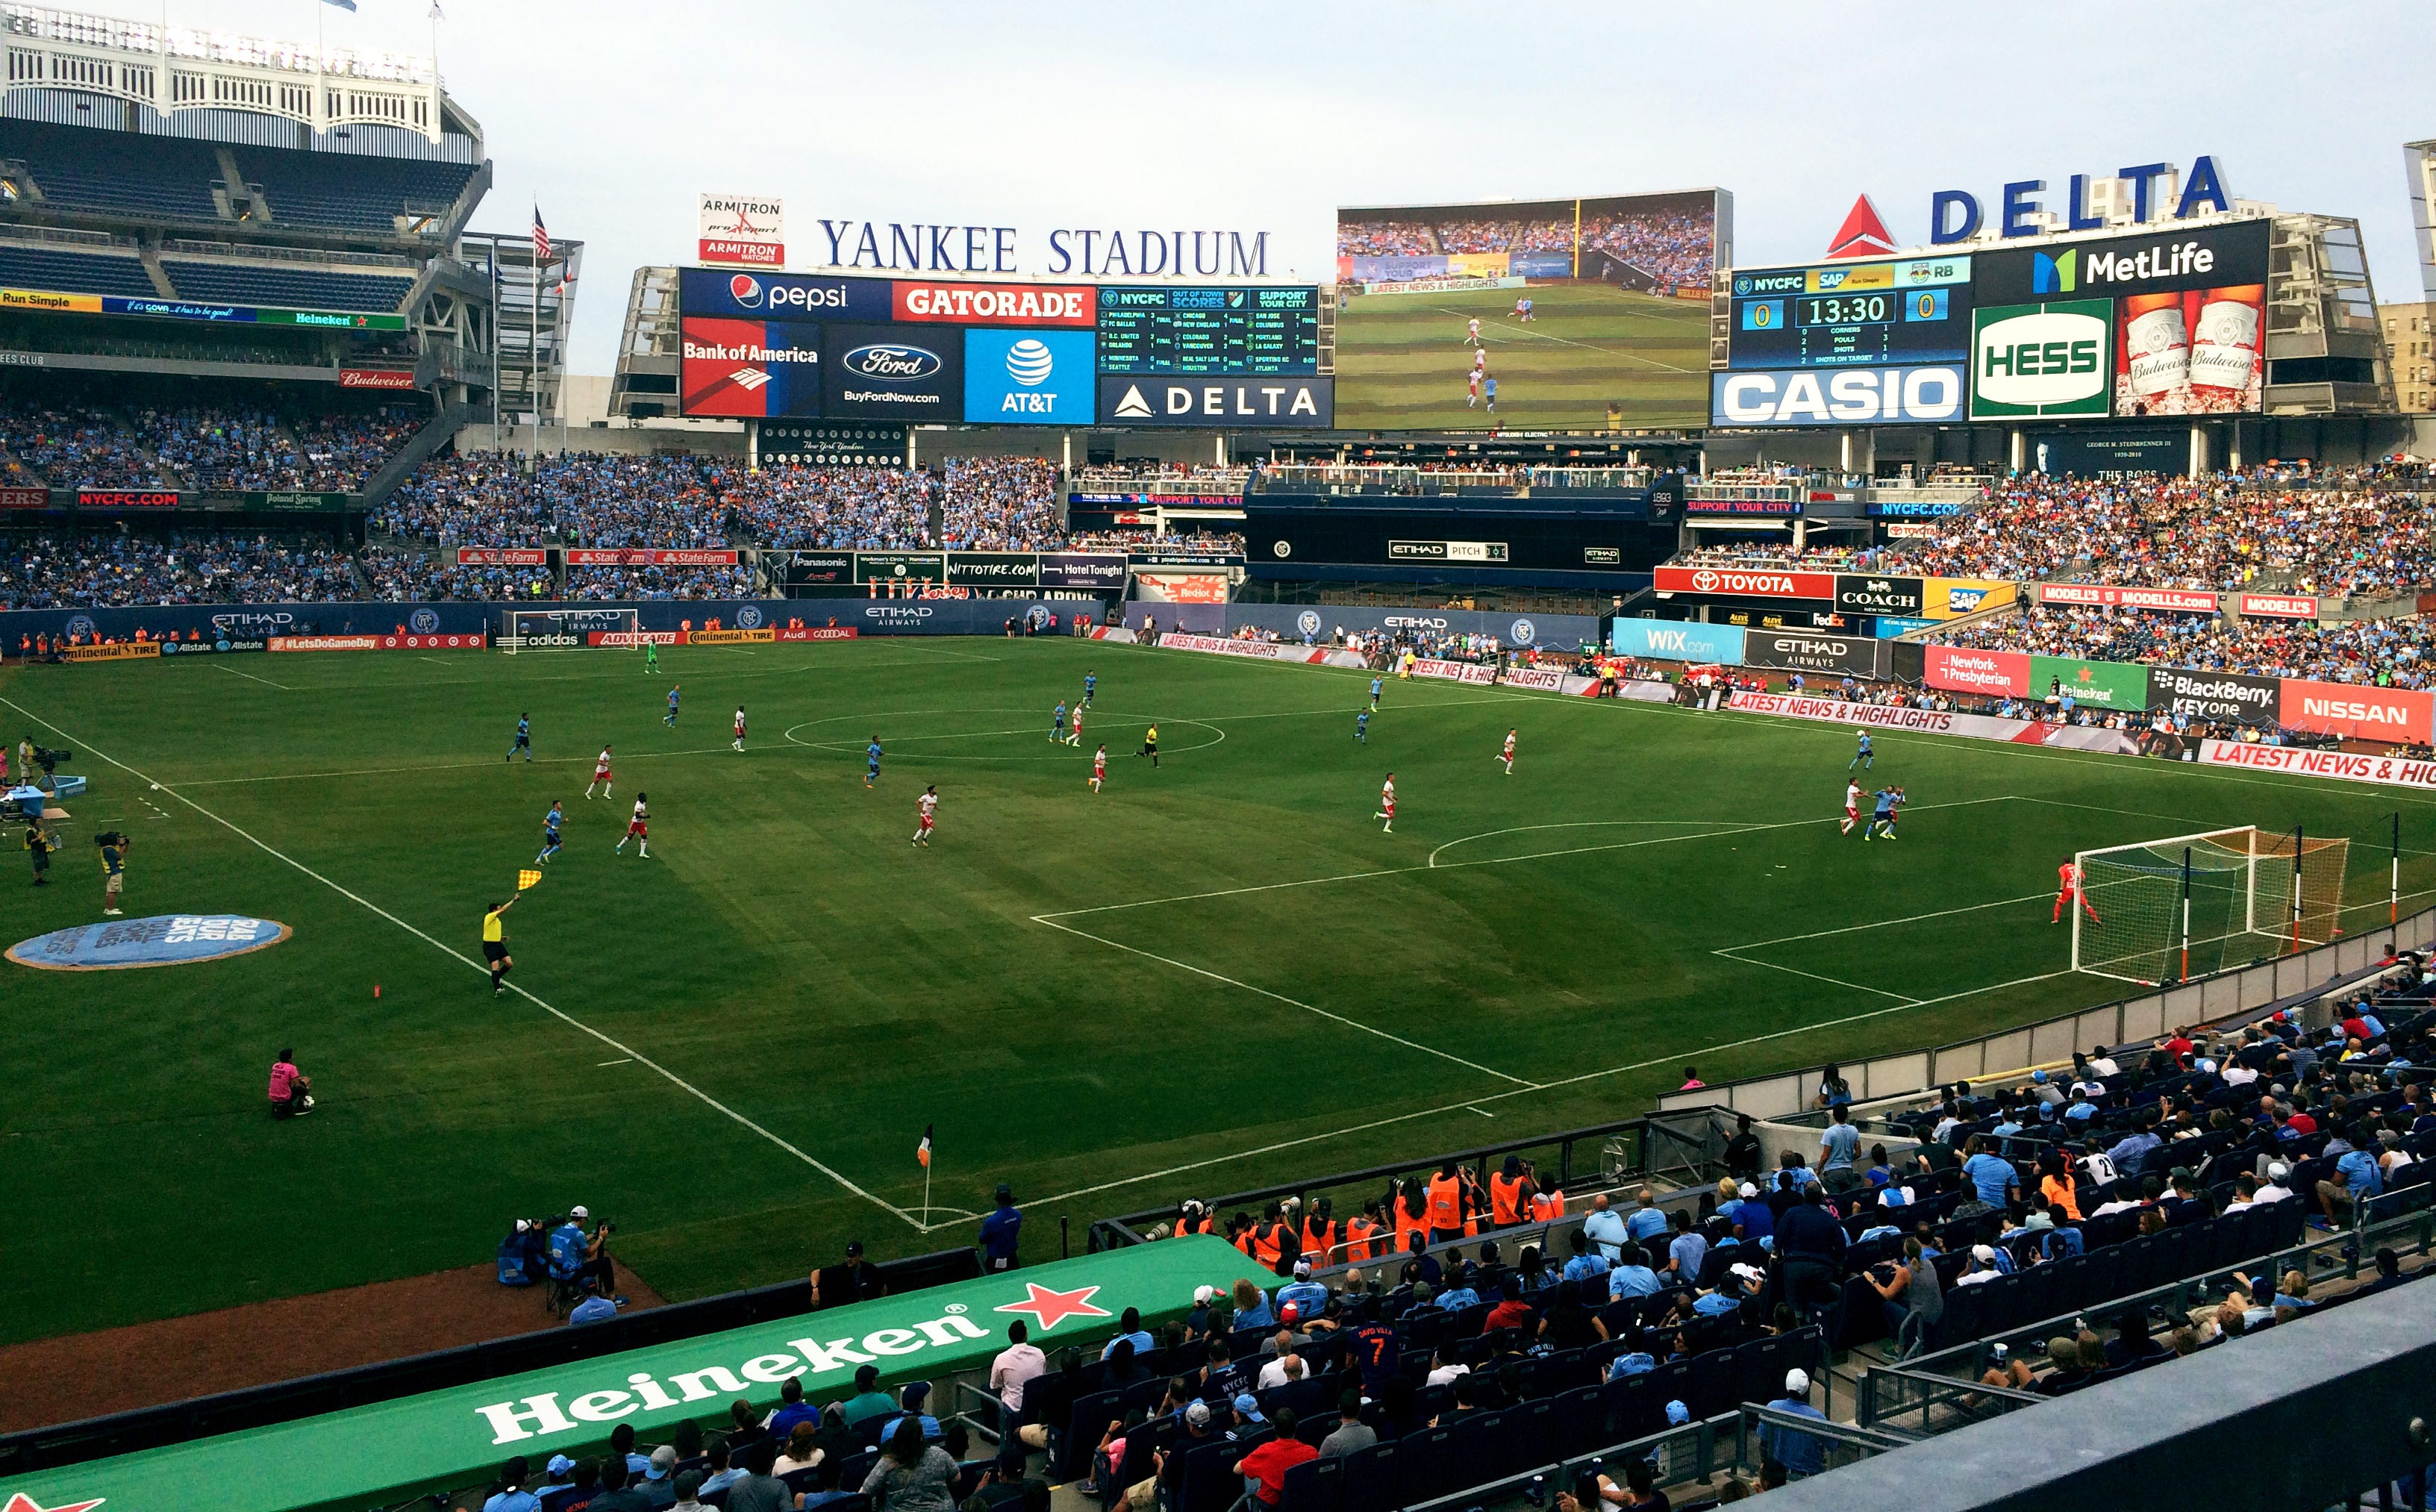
(524, 630)
(2190, 905)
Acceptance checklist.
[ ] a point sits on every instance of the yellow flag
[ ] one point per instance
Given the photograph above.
(527, 879)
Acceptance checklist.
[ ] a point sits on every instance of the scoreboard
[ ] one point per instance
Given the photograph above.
(1851, 314)
(1261, 330)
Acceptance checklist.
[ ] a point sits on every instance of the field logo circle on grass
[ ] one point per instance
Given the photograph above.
(162, 940)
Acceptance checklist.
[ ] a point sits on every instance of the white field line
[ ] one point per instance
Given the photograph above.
(679, 1081)
(251, 678)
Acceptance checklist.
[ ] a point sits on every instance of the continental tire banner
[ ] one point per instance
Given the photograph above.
(123, 651)
(2394, 772)
(2233, 696)
(730, 637)
(1993, 673)
(2107, 685)
(1841, 655)
(2356, 710)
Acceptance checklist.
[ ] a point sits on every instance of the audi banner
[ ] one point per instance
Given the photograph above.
(2232, 697)
(1746, 582)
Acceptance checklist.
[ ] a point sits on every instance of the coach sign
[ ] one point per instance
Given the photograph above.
(1878, 596)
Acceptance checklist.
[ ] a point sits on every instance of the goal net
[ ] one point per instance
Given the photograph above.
(524, 630)
(2190, 905)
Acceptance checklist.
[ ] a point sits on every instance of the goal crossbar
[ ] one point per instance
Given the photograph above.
(2170, 909)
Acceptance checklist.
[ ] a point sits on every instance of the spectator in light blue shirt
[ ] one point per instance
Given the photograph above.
(594, 1308)
(1129, 1331)
(1585, 1266)
(1837, 1147)
(1685, 1251)
(1991, 1176)
(561, 1476)
(511, 1495)
(1308, 1296)
(1637, 1363)
(1605, 1228)
(2134, 1148)
(1648, 1220)
(2360, 1166)
(1632, 1276)
(1802, 1454)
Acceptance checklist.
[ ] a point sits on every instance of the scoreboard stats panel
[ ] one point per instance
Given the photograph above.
(1851, 314)
(1257, 330)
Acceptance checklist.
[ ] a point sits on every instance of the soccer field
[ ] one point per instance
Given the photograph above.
(1216, 973)
(1403, 359)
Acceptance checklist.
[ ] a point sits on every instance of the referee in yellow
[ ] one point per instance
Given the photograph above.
(1150, 745)
(495, 945)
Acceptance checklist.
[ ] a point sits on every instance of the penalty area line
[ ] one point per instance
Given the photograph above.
(572, 1023)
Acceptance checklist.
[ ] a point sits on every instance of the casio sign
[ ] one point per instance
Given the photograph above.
(892, 362)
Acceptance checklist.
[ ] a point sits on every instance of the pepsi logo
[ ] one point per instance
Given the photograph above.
(745, 289)
(892, 362)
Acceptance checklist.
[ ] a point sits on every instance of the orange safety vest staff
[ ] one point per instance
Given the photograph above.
(1359, 1235)
(1264, 1244)
(1445, 1206)
(1546, 1206)
(1505, 1198)
(1319, 1238)
(1409, 1223)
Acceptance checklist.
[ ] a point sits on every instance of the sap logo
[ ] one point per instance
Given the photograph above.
(892, 362)
(1965, 600)
(1815, 399)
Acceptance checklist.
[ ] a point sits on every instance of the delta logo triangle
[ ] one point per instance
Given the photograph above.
(1862, 235)
(1132, 406)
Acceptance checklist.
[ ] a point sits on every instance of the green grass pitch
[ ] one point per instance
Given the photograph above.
(1401, 359)
(732, 1049)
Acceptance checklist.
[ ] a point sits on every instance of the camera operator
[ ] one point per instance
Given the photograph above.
(574, 1255)
(112, 846)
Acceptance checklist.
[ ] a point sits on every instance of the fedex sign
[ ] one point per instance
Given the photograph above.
(2134, 195)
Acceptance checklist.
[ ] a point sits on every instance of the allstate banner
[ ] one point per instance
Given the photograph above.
(1678, 640)
(2107, 685)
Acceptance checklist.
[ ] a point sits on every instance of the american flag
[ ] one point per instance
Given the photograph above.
(541, 239)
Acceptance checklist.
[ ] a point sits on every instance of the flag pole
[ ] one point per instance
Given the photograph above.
(2186, 914)
(2394, 893)
(2299, 843)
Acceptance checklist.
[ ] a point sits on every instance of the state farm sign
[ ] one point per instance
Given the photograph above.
(2172, 600)
(1747, 583)
(2358, 710)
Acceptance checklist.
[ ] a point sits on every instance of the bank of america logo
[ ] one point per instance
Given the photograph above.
(1132, 406)
(748, 379)
(2055, 275)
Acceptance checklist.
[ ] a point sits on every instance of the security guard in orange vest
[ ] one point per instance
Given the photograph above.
(1505, 1194)
(1319, 1233)
(1362, 1234)
(1411, 1217)
(1268, 1240)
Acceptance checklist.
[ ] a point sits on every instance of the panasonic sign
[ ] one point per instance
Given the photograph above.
(1832, 397)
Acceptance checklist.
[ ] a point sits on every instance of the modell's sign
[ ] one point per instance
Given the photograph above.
(1747, 583)
(2172, 600)
(744, 231)
(2279, 606)
(395, 379)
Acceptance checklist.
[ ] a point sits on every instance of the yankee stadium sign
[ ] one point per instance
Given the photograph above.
(1092, 251)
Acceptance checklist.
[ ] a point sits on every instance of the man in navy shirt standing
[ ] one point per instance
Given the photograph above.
(999, 1231)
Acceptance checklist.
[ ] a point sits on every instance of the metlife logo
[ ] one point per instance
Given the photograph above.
(1020, 377)
(2208, 256)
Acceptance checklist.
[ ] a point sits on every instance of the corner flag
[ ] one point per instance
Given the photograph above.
(922, 1152)
(527, 879)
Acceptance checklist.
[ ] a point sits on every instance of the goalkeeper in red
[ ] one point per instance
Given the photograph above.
(2069, 888)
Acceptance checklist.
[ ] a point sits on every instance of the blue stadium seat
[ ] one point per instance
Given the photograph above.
(347, 190)
(1479, 1450)
(1315, 1485)
(225, 282)
(41, 267)
(1373, 1478)
(1428, 1464)
(79, 168)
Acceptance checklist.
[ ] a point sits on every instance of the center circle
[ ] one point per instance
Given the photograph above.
(939, 744)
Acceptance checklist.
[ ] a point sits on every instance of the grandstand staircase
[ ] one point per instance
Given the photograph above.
(150, 255)
(435, 434)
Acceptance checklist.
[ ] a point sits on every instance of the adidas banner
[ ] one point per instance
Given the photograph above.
(1235, 401)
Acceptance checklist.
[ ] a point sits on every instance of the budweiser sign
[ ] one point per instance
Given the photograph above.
(1747, 583)
(395, 379)
(2279, 605)
(2170, 600)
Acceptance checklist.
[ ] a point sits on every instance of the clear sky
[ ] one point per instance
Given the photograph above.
(1265, 117)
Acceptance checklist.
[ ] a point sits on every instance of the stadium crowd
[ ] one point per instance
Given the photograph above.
(68, 571)
(203, 447)
(76, 447)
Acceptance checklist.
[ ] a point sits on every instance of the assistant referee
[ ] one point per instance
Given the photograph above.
(1150, 745)
(495, 945)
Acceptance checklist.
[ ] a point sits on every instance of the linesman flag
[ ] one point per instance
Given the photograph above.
(525, 879)
(922, 1150)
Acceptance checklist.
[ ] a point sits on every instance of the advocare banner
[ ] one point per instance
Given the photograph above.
(2233, 696)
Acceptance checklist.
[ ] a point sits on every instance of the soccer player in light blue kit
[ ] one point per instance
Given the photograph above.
(1090, 687)
(524, 738)
(1375, 686)
(1864, 757)
(1361, 727)
(871, 774)
(550, 824)
(1057, 723)
(671, 720)
(1883, 816)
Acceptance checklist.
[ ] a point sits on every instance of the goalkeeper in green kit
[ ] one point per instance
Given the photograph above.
(651, 655)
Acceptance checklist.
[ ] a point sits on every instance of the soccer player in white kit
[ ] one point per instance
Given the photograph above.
(638, 828)
(1473, 338)
(1099, 768)
(1851, 806)
(1508, 756)
(599, 775)
(1387, 804)
(1475, 390)
(1480, 360)
(928, 805)
(1074, 727)
(739, 727)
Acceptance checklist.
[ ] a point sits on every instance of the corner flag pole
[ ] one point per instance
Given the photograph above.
(2299, 843)
(2394, 893)
(2186, 916)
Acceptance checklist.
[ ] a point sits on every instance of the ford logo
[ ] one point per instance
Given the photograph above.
(892, 362)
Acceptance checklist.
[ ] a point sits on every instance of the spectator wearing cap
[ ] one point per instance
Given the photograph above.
(1129, 1331)
(659, 1482)
(1351, 1435)
(917, 1401)
(511, 1495)
(1201, 1427)
(1016, 1366)
(1247, 1409)
(1982, 1268)
(852, 1279)
(1302, 1291)
(1755, 1219)
(1001, 1232)
(557, 1476)
(594, 1308)
(1803, 1455)
(868, 1399)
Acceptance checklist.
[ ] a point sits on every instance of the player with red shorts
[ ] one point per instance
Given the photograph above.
(639, 830)
(599, 775)
(1851, 806)
(1387, 806)
(928, 805)
(2068, 888)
